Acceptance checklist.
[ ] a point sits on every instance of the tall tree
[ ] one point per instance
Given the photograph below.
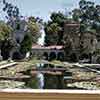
(5, 43)
(88, 15)
(52, 34)
(54, 29)
(5, 31)
(26, 44)
(34, 28)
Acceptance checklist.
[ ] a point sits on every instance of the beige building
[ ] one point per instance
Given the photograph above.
(47, 52)
(71, 31)
(81, 43)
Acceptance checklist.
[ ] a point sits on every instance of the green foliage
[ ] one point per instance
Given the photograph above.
(76, 13)
(34, 29)
(33, 83)
(6, 47)
(58, 18)
(88, 15)
(5, 39)
(26, 44)
(52, 36)
(54, 29)
(5, 31)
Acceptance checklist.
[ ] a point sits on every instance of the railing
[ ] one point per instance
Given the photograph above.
(16, 94)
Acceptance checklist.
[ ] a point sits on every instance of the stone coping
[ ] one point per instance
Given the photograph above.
(49, 91)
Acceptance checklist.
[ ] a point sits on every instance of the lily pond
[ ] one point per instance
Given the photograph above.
(41, 74)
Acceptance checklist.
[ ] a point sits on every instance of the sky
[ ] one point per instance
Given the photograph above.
(43, 8)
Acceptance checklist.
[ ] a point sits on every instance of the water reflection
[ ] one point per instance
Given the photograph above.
(40, 78)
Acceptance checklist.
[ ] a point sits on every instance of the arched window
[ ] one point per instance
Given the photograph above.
(45, 56)
(52, 56)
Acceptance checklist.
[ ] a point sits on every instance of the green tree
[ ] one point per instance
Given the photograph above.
(58, 17)
(5, 31)
(76, 13)
(5, 35)
(6, 47)
(52, 36)
(88, 15)
(34, 28)
(26, 44)
(54, 29)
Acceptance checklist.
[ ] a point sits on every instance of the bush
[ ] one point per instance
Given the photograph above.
(33, 83)
(26, 44)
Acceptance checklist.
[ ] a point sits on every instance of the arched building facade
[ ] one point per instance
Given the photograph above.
(48, 52)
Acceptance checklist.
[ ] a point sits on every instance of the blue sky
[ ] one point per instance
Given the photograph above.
(43, 8)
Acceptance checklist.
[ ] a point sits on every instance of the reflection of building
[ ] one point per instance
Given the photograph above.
(49, 52)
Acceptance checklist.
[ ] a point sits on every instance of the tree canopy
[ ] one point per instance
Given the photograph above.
(34, 29)
(5, 30)
(54, 29)
(88, 14)
(26, 44)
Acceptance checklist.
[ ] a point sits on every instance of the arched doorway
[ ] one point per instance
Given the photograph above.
(60, 56)
(52, 56)
(45, 56)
